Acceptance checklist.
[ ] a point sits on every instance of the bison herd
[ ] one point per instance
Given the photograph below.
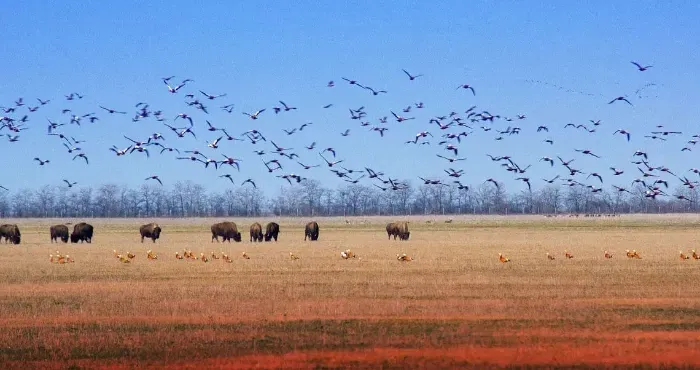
(82, 232)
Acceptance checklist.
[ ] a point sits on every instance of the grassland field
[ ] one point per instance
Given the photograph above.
(454, 306)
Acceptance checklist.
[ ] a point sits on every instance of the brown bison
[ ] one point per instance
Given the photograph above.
(399, 229)
(226, 230)
(311, 231)
(82, 232)
(256, 234)
(151, 230)
(59, 232)
(271, 231)
(10, 233)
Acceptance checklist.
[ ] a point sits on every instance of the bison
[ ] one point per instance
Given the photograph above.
(271, 231)
(10, 233)
(151, 230)
(82, 232)
(311, 231)
(399, 229)
(226, 230)
(256, 234)
(59, 232)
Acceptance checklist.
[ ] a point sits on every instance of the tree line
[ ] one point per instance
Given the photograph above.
(310, 198)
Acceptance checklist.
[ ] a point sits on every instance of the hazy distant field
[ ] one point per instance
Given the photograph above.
(455, 305)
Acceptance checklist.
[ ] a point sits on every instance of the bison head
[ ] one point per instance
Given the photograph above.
(156, 232)
(15, 239)
(74, 238)
(237, 236)
(64, 238)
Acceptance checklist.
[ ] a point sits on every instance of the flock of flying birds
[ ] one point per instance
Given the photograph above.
(448, 129)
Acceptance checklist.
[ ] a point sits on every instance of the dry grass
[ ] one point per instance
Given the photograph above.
(455, 305)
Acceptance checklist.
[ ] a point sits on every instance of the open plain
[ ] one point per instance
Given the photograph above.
(454, 305)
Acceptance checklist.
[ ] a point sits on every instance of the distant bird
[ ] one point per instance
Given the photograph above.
(640, 67)
(154, 177)
(525, 180)
(568, 255)
(70, 184)
(171, 89)
(41, 163)
(595, 174)
(552, 180)
(330, 164)
(466, 86)
(307, 167)
(547, 159)
(586, 151)
(404, 257)
(112, 111)
(620, 98)
(623, 132)
(550, 257)
(375, 92)
(330, 84)
(400, 118)
(608, 255)
(249, 181)
(286, 107)
(212, 97)
(215, 144)
(493, 182)
(683, 256)
(254, 115)
(83, 156)
(410, 76)
(503, 258)
(293, 256)
(451, 160)
(351, 82)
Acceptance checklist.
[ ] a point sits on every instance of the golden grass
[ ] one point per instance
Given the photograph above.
(454, 305)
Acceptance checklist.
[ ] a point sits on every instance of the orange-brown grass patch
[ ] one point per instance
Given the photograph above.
(454, 305)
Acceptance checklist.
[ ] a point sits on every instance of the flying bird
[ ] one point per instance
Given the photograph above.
(466, 86)
(254, 115)
(620, 98)
(410, 76)
(154, 177)
(640, 67)
(70, 184)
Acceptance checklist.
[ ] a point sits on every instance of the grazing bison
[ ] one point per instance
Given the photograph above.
(10, 233)
(311, 231)
(256, 234)
(399, 229)
(226, 230)
(271, 231)
(82, 232)
(151, 230)
(59, 232)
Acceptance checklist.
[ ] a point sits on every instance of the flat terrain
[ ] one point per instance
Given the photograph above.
(455, 305)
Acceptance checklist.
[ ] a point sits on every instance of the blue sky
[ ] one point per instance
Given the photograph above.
(261, 52)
